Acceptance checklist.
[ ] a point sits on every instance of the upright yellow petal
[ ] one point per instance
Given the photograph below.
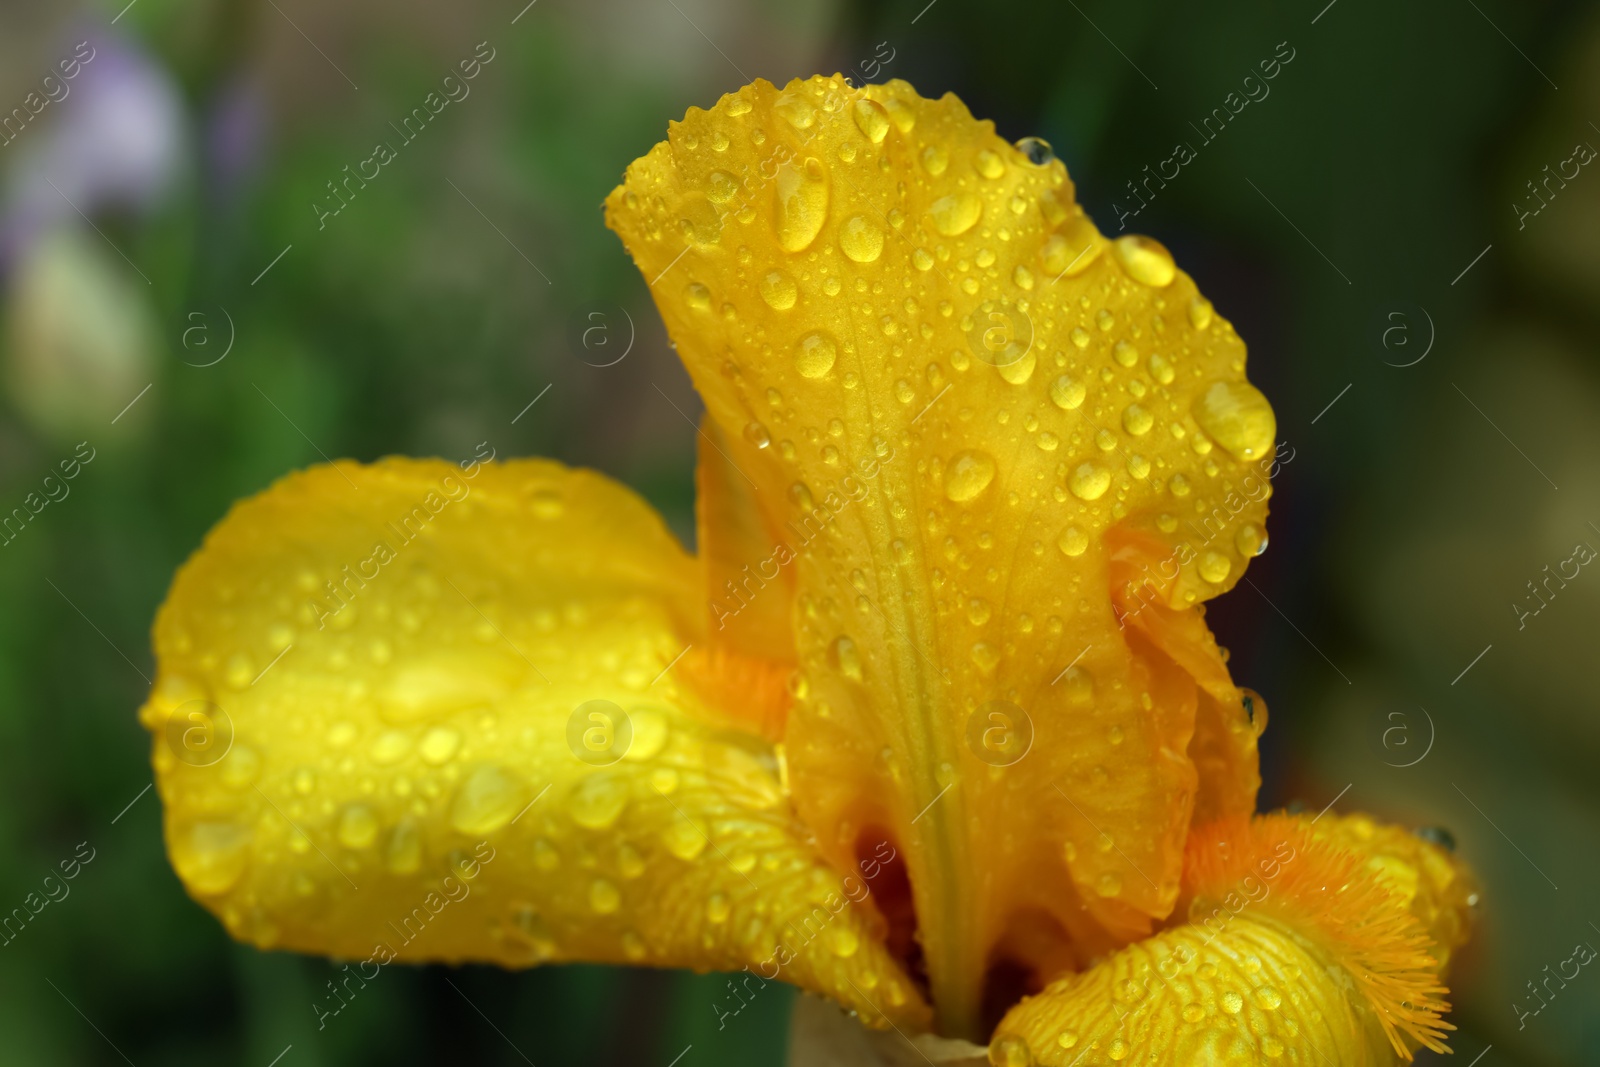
(420, 712)
(995, 441)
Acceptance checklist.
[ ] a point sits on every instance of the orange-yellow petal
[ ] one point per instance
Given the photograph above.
(413, 711)
(987, 434)
(1293, 947)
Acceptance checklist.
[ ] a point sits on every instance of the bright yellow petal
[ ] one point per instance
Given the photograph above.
(987, 433)
(1294, 947)
(374, 734)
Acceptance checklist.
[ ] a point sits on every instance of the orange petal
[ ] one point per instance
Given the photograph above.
(959, 403)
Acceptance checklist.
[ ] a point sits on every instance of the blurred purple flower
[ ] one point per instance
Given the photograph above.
(117, 143)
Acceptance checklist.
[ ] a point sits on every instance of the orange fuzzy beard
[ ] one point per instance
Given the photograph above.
(1328, 895)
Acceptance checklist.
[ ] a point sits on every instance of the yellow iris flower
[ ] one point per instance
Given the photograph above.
(931, 722)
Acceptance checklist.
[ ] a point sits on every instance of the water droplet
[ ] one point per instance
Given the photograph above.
(598, 801)
(358, 826)
(629, 862)
(871, 119)
(1214, 567)
(1010, 1052)
(1146, 260)
(633, 946)
(1238, 417)
(985, 657)
(1271, 1047)
(404, 854)
(1232, 1002)
(1193, 1013)
(1089, 481)
(903, 117)
(1073, 541)
(1067, 392)
(684, 838)
(978, 611)
(1022, 276)
(390, 747)
(486, 801)
(1251, 540)
(240, 671)
(757, 434)
(861, 238)
(210, 857)
(1200, 313)
(545, 856)
(1118, 1049)
(779, 290)
(846, 657)
(1108, 885)
(717, 908)
(439, 744)
(304, 780)
(700, 222)
(1067, 1038)
(796, 109)
(723, 187)
(698, 296)
(1019, 368)
(988, 164)
(921, 259)
(800, 493)
(1179, 485)
(969, 474)
(956, 214)
(241, 766)
(814, 355)
(802, 208)
(1073, 249)
(845, 942)
(1161, 369)
(1125, 353)
(1036, 150)
(1268, 998)
(1079, 685)
(1137, 420)
(604, 897)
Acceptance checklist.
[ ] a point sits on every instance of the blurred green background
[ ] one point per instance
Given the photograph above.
(143, 210)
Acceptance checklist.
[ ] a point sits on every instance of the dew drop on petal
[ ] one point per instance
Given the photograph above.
(1073, 541)
(871, 119)
(1214, 567)
(779, 290)
(1036, 150)
(487, 800)
(598, 801)
(1089, 481)
(1067, 392)
(1237, 417)
(955, 214)
(1146, 260)
(358, 826)
(604, 897)
(861, 238)
(210, 857)
(968, 475)
(802, 194)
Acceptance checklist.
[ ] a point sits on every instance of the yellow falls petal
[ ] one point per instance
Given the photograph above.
(419, 712)
(989, 435)
(1293, 947)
